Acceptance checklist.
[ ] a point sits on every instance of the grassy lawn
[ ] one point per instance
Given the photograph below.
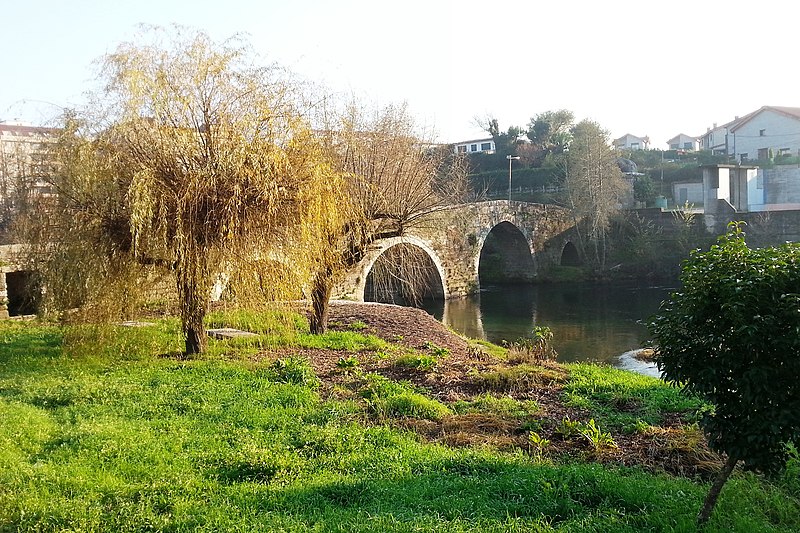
(103, 430)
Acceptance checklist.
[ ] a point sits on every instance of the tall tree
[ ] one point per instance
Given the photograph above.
(551, 131)
(593, 184)
(208, 162)
(505, 142)
(395, 180)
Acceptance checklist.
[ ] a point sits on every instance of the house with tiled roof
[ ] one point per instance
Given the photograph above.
(683, 142)
(631, 142)
(766, 133)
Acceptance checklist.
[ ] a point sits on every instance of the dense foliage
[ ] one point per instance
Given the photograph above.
(732, 336)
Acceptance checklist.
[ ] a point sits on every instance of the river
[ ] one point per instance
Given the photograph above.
(590, 322)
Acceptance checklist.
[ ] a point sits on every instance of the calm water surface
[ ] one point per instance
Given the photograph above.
(590, 322)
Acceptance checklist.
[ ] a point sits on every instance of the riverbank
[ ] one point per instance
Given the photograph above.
(389, 422)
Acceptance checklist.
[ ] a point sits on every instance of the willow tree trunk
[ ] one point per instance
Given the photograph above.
(194, 306)
(320, 301)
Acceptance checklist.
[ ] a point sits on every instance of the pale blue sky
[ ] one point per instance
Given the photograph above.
(652, 68)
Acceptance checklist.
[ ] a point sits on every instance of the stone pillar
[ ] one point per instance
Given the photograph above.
(3, 296)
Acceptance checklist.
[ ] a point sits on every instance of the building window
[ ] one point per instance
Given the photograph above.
(473, 147)
(761, 133)
(688, 146)
(673, 146)
(743, 157)
(485, 147)
(462, 148)
(634, 146)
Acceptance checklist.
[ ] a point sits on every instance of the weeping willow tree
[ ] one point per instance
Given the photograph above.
(395, 179)
(201, 164)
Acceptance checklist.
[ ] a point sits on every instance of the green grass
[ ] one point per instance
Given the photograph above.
(116, 437)
(622, 400)
(282, 329)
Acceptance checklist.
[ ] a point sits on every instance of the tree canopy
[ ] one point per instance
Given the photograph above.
(395, 178)
(208, 165)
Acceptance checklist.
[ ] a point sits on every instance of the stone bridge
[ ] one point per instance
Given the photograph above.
(462, 246)
(449, 256)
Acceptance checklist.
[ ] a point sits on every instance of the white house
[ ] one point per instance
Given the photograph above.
(716, 137)
(683, 142)
(476, 146)
(766, 133)
(770, 131)
(632, 142)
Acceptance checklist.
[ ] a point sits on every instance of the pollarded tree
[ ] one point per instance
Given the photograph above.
(593, 184)
(395, 180)
(731, 335)
(211, 163)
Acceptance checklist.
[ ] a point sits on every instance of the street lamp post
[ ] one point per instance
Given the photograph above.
(510, 158)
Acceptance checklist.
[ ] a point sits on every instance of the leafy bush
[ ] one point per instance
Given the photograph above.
(731, 337)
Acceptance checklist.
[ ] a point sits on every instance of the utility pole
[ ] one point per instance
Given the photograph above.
(510, 158)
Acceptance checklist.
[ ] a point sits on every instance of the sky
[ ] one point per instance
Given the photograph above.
(650, 67)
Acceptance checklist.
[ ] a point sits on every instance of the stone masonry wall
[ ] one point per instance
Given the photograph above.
(454, 237)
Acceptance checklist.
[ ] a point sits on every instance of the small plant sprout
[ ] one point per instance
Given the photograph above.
(537, 347)
(537, 442)
(599, 439)
(435, 350)
(422, 362)
(347, 364)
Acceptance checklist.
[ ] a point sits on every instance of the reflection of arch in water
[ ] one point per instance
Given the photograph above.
(405, 274)
(505, 256)
(570, 256)
(464, 316)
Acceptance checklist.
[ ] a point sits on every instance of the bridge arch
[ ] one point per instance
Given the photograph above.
(387, 270)
(505, 255)
(570, 255)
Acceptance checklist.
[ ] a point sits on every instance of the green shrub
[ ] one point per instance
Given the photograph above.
(296, 370)
(730, 335)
